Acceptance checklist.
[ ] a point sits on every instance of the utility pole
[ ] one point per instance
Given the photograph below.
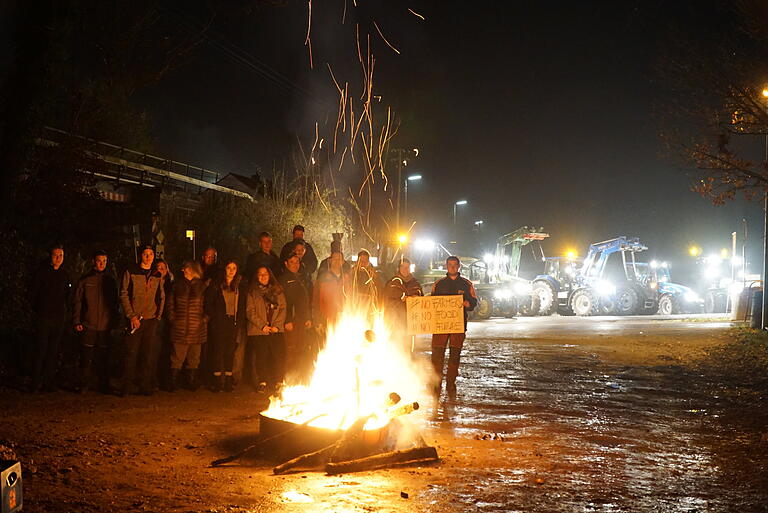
(400, 155)
(763, 322)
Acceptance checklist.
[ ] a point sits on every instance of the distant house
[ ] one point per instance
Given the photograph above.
(249, 184)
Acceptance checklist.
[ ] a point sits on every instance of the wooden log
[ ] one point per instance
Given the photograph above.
(317, 457)
(386, 459)
(308, 459)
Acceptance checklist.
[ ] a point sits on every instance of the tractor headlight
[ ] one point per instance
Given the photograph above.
(522, 289)
(691, 297)
(605, 288)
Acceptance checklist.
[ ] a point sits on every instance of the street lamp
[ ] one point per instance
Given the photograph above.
(401, 155)
(457, 204)
(190, 234)
(412, 178)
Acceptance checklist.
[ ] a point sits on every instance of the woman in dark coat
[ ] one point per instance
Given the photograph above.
(265, 311)
(186, 314)
(225, 307)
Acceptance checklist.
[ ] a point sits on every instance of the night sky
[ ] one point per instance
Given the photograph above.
(537, 113)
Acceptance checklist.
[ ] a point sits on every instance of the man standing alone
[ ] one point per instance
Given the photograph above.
(452, 285)
(143, 299)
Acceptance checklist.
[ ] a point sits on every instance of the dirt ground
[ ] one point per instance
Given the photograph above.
(547, 419)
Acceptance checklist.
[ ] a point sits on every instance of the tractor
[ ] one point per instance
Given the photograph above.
(600, 286)
(674, 298)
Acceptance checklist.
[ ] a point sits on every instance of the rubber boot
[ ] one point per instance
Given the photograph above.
(173, 380)
(192, 383)
(438, 359)
(217, 382)
(86, 364)
(101, 357)
(450, 380)
(229, 383)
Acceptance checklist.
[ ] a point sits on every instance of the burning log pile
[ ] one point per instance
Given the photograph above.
(344, 420)
(358, 450)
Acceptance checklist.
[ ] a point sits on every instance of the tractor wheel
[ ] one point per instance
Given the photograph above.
(528, 307)
(669, 305)
(627, 301)
(483, 310)
(584, 303)
(714, 302)
(608, 306)
(544, 298)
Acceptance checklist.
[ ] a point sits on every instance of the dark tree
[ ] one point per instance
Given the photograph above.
(714, 116)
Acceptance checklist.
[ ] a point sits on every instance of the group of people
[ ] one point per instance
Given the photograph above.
(275, 308)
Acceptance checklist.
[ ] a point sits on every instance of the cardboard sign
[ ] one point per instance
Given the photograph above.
(435, 314)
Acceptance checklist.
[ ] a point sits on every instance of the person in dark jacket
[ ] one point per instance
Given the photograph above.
(225, 307)
(401, 286)
(94, 314)
(163, 325)
(143, 298)
(49, 296)
(335, 248)
(310, 259)
(300, 250)
(264, 256)
(453, 284)
(298, 320)
(186, 313)
(265, 311)
(328, 294)
(209, 265)
(363, 285)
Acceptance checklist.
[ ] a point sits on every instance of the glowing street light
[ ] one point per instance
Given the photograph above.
(190, 234)
(694, 251)
(411, 178)
(457, 204)
(402, 238)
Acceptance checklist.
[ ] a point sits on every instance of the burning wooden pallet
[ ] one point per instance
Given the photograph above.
(352, 450)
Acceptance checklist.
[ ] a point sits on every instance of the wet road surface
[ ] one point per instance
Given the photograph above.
(553, 414)
(590, 427)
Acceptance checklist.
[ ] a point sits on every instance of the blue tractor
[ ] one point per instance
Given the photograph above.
(674, 298)
(607, 282)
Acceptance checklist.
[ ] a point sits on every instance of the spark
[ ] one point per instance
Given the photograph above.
(410, 11)
(385, 39)
(320, 197)
(308, 41)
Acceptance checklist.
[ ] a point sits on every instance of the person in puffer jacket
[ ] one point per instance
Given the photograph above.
(186, 313)
(94, 313)
(142, 297)
(265, 311)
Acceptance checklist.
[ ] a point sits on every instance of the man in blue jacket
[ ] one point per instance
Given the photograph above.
(452, 285)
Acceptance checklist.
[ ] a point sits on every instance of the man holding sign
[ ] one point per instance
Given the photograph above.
(452, 285)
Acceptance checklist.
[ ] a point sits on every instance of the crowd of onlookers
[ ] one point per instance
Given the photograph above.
(210, 322)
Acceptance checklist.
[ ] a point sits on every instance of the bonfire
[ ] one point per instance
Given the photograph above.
(360, 409)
